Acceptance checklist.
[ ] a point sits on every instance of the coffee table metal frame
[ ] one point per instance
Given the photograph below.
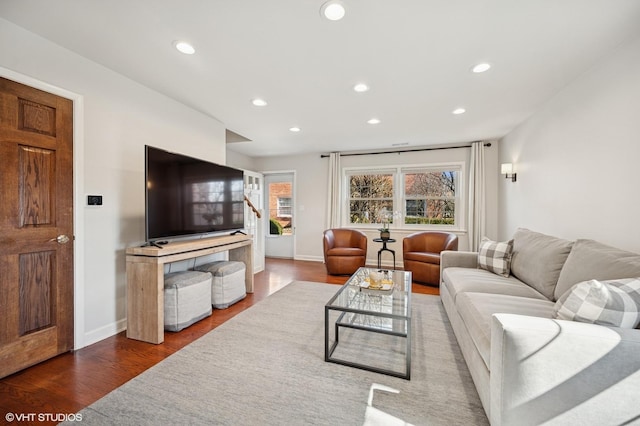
(402, 284)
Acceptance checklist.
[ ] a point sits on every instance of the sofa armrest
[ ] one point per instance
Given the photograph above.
(462, 259)
(562, 372)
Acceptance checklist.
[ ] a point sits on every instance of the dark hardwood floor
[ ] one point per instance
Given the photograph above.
(72, 381)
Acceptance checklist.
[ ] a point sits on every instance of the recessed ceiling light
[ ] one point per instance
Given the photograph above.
(294, 129)
(259, 102)
(481, 67)
(361, 87)
(333, 10)
(458, 111)
(374, 121)
(185, 47)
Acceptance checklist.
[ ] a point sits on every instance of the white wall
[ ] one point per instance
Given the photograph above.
(311, 193)
(578, 158)
(310, 197)
(119, 117)
(240, 161)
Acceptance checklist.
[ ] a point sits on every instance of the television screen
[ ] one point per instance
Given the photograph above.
(186, 196)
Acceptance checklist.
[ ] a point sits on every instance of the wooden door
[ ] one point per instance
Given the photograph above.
(36, 226)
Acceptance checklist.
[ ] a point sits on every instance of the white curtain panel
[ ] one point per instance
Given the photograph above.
(477, 208)
(333, 191)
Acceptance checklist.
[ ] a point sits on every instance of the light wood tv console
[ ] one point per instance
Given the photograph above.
(145, 278)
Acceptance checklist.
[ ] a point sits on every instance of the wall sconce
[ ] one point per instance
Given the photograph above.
(507, 170)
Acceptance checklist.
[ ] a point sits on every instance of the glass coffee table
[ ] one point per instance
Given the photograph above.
(355, 313)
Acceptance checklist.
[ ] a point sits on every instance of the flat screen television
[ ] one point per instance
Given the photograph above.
(186, 196)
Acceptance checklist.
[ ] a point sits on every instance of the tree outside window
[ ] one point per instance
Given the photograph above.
(430, 197)
(369, 195)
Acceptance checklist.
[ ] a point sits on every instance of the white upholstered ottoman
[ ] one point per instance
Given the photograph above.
(228, 286)
(187, 296)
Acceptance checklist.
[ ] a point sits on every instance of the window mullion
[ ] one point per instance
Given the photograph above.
(399, 200)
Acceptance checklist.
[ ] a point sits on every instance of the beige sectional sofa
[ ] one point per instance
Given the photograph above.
(529, 367)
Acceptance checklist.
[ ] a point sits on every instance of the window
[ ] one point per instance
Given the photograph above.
(406, 197)
(284, 206)
(430, 197)
(370, 196)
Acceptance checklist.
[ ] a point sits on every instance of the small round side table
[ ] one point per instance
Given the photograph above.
(384, 248)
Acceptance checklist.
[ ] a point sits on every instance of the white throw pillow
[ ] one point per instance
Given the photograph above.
(614, 303)
(495, 256)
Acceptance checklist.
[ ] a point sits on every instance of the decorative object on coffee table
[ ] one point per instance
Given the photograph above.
(375, 280)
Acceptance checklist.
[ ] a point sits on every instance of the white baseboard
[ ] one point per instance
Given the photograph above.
(370, 262)
(102, 333)
(309, 258)
(386, 263)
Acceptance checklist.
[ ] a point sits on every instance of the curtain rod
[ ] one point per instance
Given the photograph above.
(403, 150)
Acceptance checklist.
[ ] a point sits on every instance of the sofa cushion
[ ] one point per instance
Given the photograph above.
(495, 256)
(538, 259)
(459, 280)
(611, 303)
(476, 310)
(590, 260)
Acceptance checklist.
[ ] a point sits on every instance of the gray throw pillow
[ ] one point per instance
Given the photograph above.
(495, 256)
(610, 303)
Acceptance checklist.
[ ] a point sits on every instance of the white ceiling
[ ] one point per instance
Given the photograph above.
(415, 54)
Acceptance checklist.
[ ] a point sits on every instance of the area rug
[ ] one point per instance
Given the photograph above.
(266, 366)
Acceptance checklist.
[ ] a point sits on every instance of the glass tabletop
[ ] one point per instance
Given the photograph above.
(392, 301)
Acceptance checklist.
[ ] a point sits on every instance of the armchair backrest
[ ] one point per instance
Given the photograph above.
(344, 238)
(430, 242)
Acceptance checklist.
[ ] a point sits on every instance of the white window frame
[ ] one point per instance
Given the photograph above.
(280, 207)
(398, 172)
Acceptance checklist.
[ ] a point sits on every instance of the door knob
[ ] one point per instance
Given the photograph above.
(60, 239)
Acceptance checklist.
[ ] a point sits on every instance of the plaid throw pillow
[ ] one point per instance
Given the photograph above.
(495, 256)
(614, 303)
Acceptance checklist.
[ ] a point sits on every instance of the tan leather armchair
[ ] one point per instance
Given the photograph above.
(421, 254)
(345, 250)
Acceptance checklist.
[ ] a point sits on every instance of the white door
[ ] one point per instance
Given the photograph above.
(280, 218)
(253, 215)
